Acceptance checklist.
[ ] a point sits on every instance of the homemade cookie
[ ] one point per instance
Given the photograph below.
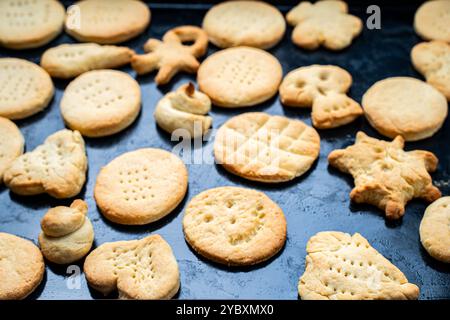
(21, 267)
(261, 147)
(405, 106)
(30, 23)
(435, 230)
(141, 186)
(25, 88)
(234, 226)
(244, 23)
(172, 55)
(184, 109)
(324, 89)
(70, 60)
(344, 267)
(240, 77)
(57, 167)
(138, 269)
(11, 144)
(67, 233)
(106, 21)
(101, 102)
(432, 20)
(432, 59)
(324, 23)
(385, 175)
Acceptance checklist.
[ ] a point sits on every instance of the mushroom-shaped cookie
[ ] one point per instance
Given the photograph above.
(67, 234)
(184, 109)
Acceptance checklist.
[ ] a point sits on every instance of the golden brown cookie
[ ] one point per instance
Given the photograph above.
(11, 144)
(432, 20)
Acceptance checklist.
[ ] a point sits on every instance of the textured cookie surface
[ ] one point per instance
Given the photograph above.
(261, 147)
(25, 88)
(344, 267)
(139, 269)
(435, 229)
(11, 144)
(101, 102)
(29, 23)
(405, 106)
(432, 20)
(322, 88)
(244, 23)
(106, 21)
(21, 267)
(57, 167)
(141, 186)
(234, 226)
(385, 175)
(240, 77)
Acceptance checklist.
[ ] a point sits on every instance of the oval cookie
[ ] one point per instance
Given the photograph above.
(234, 226)
(11, 144)
(432, 20)
(141, 186)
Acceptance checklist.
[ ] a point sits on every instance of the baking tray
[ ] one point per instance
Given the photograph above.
(317, 201)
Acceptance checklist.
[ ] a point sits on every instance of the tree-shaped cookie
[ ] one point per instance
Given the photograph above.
(324, 23)
(385, 175)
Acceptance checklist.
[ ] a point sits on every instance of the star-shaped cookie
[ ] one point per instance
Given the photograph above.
(385, 175)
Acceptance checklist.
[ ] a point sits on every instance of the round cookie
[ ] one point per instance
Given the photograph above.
(21, 267)
(432, 20)
(25, 88)
(30, 23)
(234, 226)
(101, 103)
(265, 148)
(405, 106)
(11, 144)
(244, 23)
(240, 77)
(435, 230)
(141, 186)
(106, 21)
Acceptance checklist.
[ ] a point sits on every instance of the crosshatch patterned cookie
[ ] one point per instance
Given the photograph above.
(324, 89)
(25, 88)
(141, 186)
(244, 23)
(344, 267)
(432, 59)
(70, 60)
(435, 230)
(11, 144)
(101, 102)
(234, 226)
(57, 167)
(385, 175)
(21, 267)
(324, 23)
(240, 77)
(139, 269)
(265, 148)
(405, 106)
(106, 21)
(30, 23)
(432, 20)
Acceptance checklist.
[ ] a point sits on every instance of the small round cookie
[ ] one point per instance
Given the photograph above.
(234, 226)
(141, 186)
(244, 23)
(101, 103)
(11, 144)
(106, 21)
(30, 23)
(21, 267)
(435, 230)
(240, 77)
(25, 88)
(432, 20)
(405, 106)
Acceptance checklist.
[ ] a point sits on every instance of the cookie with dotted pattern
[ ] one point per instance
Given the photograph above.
(11, 144)
(101, 102)
(432, 20)
(141, 186)
(340, 266)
